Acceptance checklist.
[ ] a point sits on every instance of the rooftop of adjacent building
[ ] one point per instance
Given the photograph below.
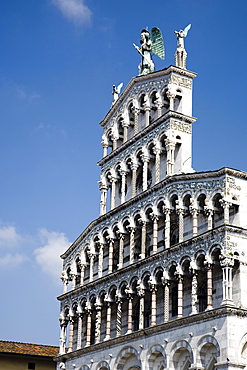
(28, 349)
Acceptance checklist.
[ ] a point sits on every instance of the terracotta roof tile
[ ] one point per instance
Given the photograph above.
(28, 348)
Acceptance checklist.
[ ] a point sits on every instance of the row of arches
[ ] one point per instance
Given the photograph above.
(144, 167)
(147, 231)
(193, 285)
(140, 112)
(178, 356)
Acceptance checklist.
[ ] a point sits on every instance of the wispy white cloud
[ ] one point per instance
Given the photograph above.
(74, 10)
(12, 260)
(9, 237)
(48, 255)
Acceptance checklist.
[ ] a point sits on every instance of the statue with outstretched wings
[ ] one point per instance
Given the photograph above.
(150, 43)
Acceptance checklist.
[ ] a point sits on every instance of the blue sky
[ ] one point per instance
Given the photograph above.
(59, 60)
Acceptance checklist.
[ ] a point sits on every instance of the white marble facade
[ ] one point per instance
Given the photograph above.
(158, 280)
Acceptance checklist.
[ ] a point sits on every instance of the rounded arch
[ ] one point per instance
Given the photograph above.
(103, 365)
(84, 367)
(156, 357)
(208, 351)
(130, 356)
(182, 355)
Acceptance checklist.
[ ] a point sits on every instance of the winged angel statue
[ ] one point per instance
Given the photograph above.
(150, 43)
(181, 55)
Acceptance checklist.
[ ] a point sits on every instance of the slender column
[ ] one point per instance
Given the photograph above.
(79, 331)
(104, 146)
(121, 250)
(147, 114)
(125, 128)
(180, 296)
(73, 281)
(180, 212)
(114, 143)
(170, 147)
(159, 106)
(226, 206)
(145, 172)
(194, 213)
(132, 244)
(157, 152)
(194, 299)
(98, 322)
(123, 185)
(171, 97)
(110, 261)
(143, 238)
(89, 323)
(100, 265)
(71, 332)
(136, 113)
(227, 265)
(209, 286)
(153, 289)
(134, 170)
(113, 191)
(63, 326)
(119, 316)
(82, 274)
(209, 214)
(141, 295)
(130, 298)
(91, 259)
(64, 279)
(167, 212)
(108, 321)
(166, 284)
(103, 190)
(155, 219)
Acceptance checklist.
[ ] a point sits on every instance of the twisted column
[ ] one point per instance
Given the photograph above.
(98, 307)
(79, 331)
(166, 285)
(194, 299)
(119, 316)
(141, 295)
(134, 171)
(180, 213)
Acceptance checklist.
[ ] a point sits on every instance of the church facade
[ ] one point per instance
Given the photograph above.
(158, 280)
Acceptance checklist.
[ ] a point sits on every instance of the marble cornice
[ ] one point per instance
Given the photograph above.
(134, 80)
(223, 311)
(169, 180)
(145, 131)
(149, 260)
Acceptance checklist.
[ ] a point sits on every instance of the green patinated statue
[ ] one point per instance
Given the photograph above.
(150, 43)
